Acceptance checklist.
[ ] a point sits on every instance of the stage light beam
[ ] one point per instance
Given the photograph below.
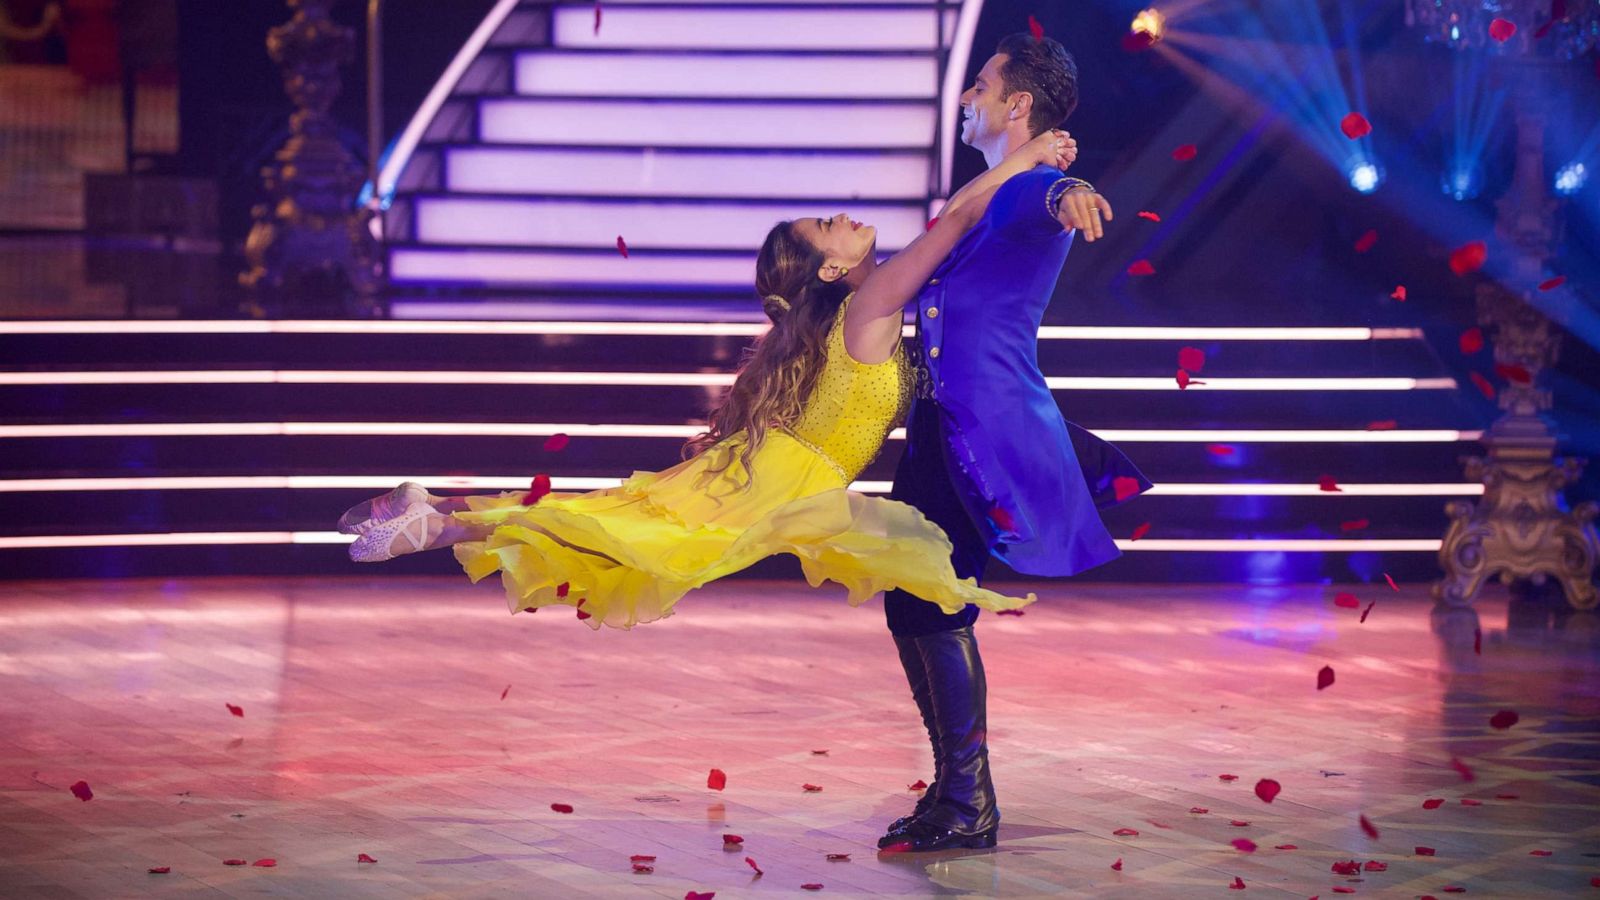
(1365, 176)
(1570, 178)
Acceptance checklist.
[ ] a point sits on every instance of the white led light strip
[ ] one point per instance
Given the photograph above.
(536, 429)
(661, 329)
(174, 539)
(520, 482)
(664, 379)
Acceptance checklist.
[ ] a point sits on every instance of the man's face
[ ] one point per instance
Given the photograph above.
(984, 114)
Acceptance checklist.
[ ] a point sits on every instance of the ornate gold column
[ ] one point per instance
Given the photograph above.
(1522, 528)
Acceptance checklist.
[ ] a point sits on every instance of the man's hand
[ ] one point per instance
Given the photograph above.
(1083, 209)
(1054, 148)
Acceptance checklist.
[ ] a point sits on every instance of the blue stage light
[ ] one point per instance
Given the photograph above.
(1570, 178)
(1365, 176)
(1462, 182)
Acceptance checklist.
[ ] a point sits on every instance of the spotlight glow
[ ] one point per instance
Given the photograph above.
(1365, 176)
(1570, 178)
(1462, 183)
(1150, 23)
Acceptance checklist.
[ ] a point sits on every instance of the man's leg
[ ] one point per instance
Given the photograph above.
(940, 655)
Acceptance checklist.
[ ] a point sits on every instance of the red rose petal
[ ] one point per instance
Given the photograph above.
(1366, 612)
(1354, 524)
(1324, 677)
(1552, 283)
(1002, 519)
(1452, 889)
(236, 862)
(1238, 823)
(641, 857)
(1285, 847)
(622, 247)
(1382, 425)
(1469, 257)
(1125, 487)
(1140, 267)
(1462, 769)
(1471, 341)
(1183, 379)
(643, 868)
(1367, 241)
(1468, 801)
(583, 615)
(80, 789)
(1369, 828)
(1595, 882)
(1432, 803)
(505, 692)
(811, 886)
(717, 780)
(752, 864)
(918, 785)
(1355, 125)
(1541, 853)
(1347, 867)
(555, 443)
(1482, 384)
(932, 222)
(1343, 890)
(364, 858)
(1390, 580)
(699, 895)
(1545, 29)
(561, 807)
(236, 710)
(1219, 449)
(1125, 832)
(733, 839)
(1508, 796)
(537, 489)
(1010, 612)
(1244, 845)
(1147, 214)
(1376, 866)
(1185, 152)
(265, 863)
(1158, 823)
(838, 857)
(1117, 866)
(811, 788)
(1192, 358)
(597, 16)
(819, 753)
(1424, 851)
(1346, 601)
(1502, 29)
(1326, 483)
(1228, 777)
(1199, 810)
(159, 870)
(1399, 293)
(1267, 789)
(1477, 646)
(1035, 29)
(1238, 884)
(1504, 719)
(1141, 531)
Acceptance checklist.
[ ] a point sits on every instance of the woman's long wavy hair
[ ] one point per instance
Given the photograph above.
(779, 372)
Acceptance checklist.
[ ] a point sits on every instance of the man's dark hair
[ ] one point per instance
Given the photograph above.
(1043, 68)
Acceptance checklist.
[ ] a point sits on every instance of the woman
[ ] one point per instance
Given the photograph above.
(810, 408)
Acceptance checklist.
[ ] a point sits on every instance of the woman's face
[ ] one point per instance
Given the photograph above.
(844, 242)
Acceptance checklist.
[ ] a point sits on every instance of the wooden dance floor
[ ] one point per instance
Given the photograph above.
(414, 721)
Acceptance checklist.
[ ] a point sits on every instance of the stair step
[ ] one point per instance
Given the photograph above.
(675, 224)
(507, 267)
(686, 74)
(679, 173)
(703, 123)
(779, 28)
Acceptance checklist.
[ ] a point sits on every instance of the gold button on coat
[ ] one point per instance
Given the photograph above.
(933, 281)
(933, 312)
(933, 352)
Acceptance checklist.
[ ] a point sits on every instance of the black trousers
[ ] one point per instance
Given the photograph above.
(923, 481)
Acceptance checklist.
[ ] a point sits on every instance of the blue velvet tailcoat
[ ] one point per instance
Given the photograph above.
(1031, 482)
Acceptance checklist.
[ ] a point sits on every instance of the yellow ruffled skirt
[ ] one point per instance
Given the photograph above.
(626, 555)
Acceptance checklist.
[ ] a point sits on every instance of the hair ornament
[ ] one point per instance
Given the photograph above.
(784, 304)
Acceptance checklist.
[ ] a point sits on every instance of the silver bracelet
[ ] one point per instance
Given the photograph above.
(1052, 197)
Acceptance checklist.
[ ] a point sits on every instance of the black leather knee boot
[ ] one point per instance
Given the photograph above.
(917, 677)
(963, 812)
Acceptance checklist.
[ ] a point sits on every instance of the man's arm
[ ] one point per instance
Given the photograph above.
(1054, 148)
(1039, 204)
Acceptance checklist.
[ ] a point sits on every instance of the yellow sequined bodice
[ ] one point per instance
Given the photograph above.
(854, 405)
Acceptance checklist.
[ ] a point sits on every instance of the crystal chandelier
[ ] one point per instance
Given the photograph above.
(1556, 29)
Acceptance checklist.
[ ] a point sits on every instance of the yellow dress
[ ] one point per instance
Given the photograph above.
(626, 555)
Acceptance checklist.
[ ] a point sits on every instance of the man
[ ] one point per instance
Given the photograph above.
(989, 457)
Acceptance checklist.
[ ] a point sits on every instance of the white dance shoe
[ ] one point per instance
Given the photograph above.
(361, 517)
(376, 543)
